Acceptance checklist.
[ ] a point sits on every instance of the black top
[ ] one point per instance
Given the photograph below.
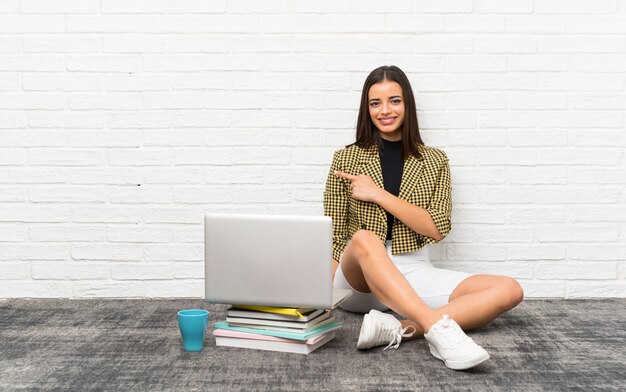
(392, 164)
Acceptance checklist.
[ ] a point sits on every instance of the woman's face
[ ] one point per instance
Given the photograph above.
(386, 105)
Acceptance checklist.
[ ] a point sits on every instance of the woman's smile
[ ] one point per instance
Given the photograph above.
(387, 121)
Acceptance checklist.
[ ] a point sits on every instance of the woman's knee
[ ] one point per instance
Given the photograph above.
(363, 240)
(355, 254)
(513, 293)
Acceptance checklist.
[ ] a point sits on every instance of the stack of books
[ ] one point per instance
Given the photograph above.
(292, 330)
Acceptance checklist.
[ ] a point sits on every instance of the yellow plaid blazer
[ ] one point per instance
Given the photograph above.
(425, 183)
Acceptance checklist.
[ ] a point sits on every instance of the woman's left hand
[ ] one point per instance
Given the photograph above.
(362, 186)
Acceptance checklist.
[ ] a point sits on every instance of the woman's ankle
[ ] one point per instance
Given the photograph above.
(430, 321)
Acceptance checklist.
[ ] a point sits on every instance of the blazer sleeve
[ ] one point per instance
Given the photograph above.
(440, 207)
(336, 206)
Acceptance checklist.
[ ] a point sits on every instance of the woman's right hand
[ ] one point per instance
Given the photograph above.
(362, 187)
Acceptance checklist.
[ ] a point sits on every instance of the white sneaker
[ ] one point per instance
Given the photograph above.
(379, 328)
(448, 342)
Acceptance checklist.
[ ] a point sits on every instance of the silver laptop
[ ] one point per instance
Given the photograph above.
(271, 260)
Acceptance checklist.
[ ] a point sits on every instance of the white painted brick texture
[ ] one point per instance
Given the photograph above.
(122, 122)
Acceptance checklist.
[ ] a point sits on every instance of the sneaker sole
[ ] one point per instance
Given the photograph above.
(365, 333)
(460, 365)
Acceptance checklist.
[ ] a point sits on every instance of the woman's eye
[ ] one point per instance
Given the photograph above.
(396, 101)
(374, 104)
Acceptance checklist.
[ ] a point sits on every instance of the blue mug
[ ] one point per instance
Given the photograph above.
(192, 324)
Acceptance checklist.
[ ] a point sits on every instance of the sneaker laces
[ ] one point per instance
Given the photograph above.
(395, 335)
(450, 333)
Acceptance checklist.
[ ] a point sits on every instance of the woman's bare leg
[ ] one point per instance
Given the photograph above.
(368, 268)
(477, 301)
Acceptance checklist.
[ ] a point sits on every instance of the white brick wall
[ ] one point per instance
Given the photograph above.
(122, 121)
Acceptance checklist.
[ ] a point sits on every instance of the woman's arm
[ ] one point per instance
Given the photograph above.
(433, 221)
(416, 218)
(336, 206)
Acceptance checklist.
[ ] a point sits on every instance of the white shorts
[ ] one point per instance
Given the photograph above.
(433, 285)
